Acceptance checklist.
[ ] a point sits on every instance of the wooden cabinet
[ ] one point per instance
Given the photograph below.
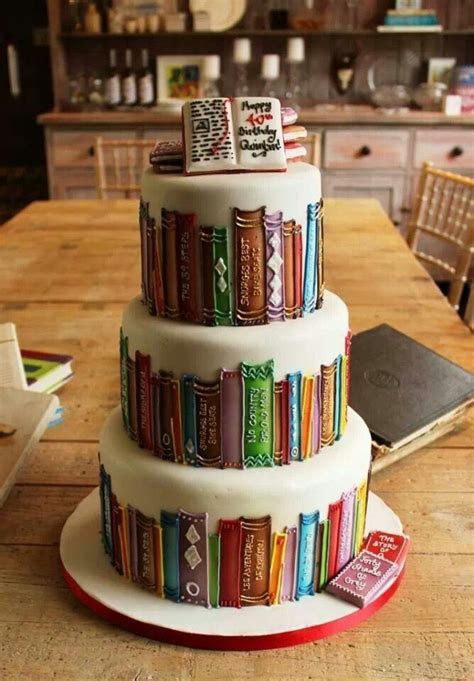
(366, 149)
(449, 149)
(386, 188)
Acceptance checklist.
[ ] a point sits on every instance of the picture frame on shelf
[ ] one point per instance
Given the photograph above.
(408, 5)
(440, 70)
(178, 78)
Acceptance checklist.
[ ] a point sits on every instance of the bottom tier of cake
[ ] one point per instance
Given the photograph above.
(233, 537)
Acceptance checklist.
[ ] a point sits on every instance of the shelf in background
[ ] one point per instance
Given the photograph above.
(260, 33)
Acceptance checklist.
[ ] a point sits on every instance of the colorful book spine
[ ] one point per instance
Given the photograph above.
(159, 566)
(328, 390)
(159, 283)
(230, 535)
(150, 269)
(250, 267)
(188, 411)
(132, 399)
(276, 566)
(334, 517)
(155, 412)
(343, 405)
(344, 548)
(231, 418)
(117, 548)
(207, 396)
(187, 268)
(146, 569)
(320, 232)
(298, 269)
(124, 380)
(207, 267)
(193, 558)
(106, 511)
(277, 423)
(165, 403)
(310, 265)
(285, 421)
(275, 273)
(214, 547)
(307, 414)
(142, 217)
(289, 268)
(176, 425)
(170, 268)
(316, 415)
(132, 542)
(325, 530)
(348, 344)
(290, 565)
(258, 414)
(222, 283)
(362, 491)
(338, 399)
(170, 531)
(123, 532)
(255, 561)
(306, 554)
(294, 416)
(144, 414)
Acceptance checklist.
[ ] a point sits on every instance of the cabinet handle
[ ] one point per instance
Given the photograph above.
(405, 209)
(456, 151)
(91, 150)
(364, 151)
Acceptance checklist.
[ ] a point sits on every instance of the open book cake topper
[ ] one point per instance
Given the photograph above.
(241, 134)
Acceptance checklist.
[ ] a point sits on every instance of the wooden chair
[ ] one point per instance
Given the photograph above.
(119, 166)
(313, 146)
(444, 210)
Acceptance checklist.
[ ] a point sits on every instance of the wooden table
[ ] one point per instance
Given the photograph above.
(66, 271)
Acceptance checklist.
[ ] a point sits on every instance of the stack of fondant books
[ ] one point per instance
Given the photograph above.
(406, 20)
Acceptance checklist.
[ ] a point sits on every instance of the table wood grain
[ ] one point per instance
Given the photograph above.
(66, 270)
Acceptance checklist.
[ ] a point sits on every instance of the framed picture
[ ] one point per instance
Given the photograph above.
(440, 70)
(401, 5)
(178, 78)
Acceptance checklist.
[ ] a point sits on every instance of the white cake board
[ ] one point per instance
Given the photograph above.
(97, 584)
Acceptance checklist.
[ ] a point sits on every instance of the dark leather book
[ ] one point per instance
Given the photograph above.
(193, 558)
(209, 423)
(406, 393)
(255, 556)
(132, 399)
(186, 258)
(146, 571)
(250, 268)
(170, 265)
(230, 534)
(116, 520)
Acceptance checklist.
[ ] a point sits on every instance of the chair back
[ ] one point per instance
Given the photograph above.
(313, 146)
(444, 211)
(119, 166)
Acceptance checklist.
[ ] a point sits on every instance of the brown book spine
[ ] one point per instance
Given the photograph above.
(278, 423)
(144, 416)
(208, 424)
(250, 267)
(146, 570)
(207, 267)
(165, 400)
(132, 398)
(159, 286)
(186, 244)
(155, 411)
(230, 535)
(255, 560)
(116, 521)
(289, 268)
(168, 230)
(298, 269)
(328, 395)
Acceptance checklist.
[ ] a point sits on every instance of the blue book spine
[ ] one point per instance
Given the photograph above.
(188, 412)
(294, 415)
(310, 267)
(170, 533)
(309, 526)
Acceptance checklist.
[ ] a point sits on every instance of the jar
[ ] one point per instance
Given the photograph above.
(429, 96)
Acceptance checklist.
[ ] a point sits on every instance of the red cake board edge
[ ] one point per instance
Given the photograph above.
(211, 642)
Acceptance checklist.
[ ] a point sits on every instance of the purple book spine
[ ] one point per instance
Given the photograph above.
(288, 580)
(274, 264)
(344, 549)
(231, 418)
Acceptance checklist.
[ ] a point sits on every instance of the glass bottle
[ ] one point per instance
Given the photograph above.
(129, 81)
(270, 75)
(211, 74)
(295, 55)
(113, 89)
(146, 90)
(241, 58)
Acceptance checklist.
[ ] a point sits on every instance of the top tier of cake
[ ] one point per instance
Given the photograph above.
(238, 249)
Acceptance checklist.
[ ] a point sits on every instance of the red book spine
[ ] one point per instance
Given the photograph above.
(334, 516)
(229, 577)
(144, 417)
(186, 256)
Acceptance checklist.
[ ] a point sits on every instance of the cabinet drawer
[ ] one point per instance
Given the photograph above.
(445, 148)
(363, 149)
(73, 149)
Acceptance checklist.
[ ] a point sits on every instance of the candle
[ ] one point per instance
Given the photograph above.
(270, 66)
(242, 51)
(212, 67)
(295, 50)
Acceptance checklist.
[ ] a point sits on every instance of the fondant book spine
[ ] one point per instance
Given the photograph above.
(328, 389)
(325, 529)
(188, 406)
(289, 268)
(258, 414)
(150, 270)
(222, 282)
(278, 423)
(176, 425)
(255, 561)
(170, 531)
(317, 415)
(207, 264)
(144, 415)
(306, 553)
(344, 549)
(285, 421)
(106, 512)
(231, 418)
(155, 412)
(250, 267)
(159, 568)
(193, 558)
(208, 423)
(116, 520)
(338, 399)
(214, 546)
(132, 542)
(124, 380)
(276, 566)
(123, 533)
(307, 413)
(290, 562)
(142, 221)
(186, 237)
(298, 269)
(165, 403)
(146, 571)
(159, 284)
(132, 398)
(168, 232)
(334, 517)
(310, 266)
(274, 260)
(229, 581)
(320, 229)
(294, 416)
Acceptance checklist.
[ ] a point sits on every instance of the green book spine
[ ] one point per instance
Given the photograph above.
(258, 414)
(214, 547)
(323, 571)
(124, 380)
(222, 290)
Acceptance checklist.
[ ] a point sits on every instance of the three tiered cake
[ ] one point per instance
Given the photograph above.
(234, 473)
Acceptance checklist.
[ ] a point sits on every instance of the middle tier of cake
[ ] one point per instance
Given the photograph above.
(235, 397)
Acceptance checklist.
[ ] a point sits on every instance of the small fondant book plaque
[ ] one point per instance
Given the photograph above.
(233, 135)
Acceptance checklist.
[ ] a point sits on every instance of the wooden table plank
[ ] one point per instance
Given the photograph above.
(69, 268)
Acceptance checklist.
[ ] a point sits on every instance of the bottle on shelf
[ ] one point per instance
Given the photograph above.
(295, 55)
(270, 75)
(241, 57)
(146, 89)
(113, 85)
(129, 81)
(211, 73)
(92, 19)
